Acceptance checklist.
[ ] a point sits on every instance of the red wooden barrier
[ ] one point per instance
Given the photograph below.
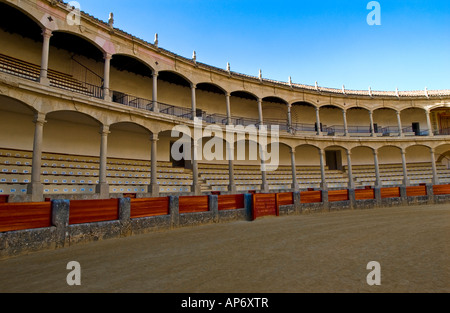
(4, 199)
(364, 194)
(393, 192)
(193, 204)
(311, 196)
(149, 207)
(416, 191)
(285, 198)
(20, 216)
(441, 190)
(231, 202)
(338, 195)
(264, 205)
(90, 211)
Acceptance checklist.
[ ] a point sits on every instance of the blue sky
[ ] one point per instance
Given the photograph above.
(325, 41)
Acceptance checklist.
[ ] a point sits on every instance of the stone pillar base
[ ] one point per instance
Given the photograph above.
(36, 190)
(153, 190)
(232, 188)
(196, 189)
(102, 190)
(44, 81)
(265, 188)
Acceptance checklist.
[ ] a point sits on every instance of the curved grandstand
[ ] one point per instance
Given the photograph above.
(87, 111)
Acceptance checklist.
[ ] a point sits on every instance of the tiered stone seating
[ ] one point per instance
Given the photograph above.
(79, 174)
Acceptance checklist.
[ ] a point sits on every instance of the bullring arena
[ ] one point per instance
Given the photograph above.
(86, 154)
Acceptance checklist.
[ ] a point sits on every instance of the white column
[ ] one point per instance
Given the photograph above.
(344, 116)
(228, 102)
(103, 187)
(260, 112)
(405, 168)
(106, 77)
(433, 167)
(43, 77)
(372, 125)
(351, 183)
(295, 186)
(400, 127)
(323, 184)
(155, 92)
(319, 131)
(430, 130)
(193, 101)
(154, 187)
(36, 188)
(377, 169)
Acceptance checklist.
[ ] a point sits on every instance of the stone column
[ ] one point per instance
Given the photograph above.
(231, 186)
(323, 184)
(377, 169)
(295, 186)
(405, 169)
(196, 188)
(372, 125)
(433, 167)
(36, 188)
(43, 77)
(103, 188)
(154, 187)
(289, 113)
(228, 102)
(193, 101)
(344, 116)
(430, 128)
(155, 92)
(106, 76)
(260, 112)
(399, 121)
(265, 186)
(319, 131)
(351, 183)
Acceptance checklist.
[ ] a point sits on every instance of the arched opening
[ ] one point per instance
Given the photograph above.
(414, 122)
(174, 94)
(244, 108)
(307, 162)
(131, 82)
(304, 120)
(440, 120)
(211, 103)
(332, 121)
(419, 162)
(358, 120)
(20, 43)
(363, 167)
(275, 112)
(391, 166)
(386, 122)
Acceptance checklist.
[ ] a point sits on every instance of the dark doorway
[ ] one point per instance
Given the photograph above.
(416, 128)
(334, 159)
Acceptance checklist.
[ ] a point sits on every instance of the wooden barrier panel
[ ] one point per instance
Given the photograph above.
(393, 192)
(364, 194)
(91, 211)
(441, 190)
(20, 216)
(311, 196)
(149, 207)
(4, 199)
(231, 202)
(285, 198)
(416, 191)
(338, 195)
(264, 205)
(193, 204)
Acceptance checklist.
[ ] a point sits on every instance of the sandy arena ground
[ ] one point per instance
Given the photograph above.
(325, 252)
